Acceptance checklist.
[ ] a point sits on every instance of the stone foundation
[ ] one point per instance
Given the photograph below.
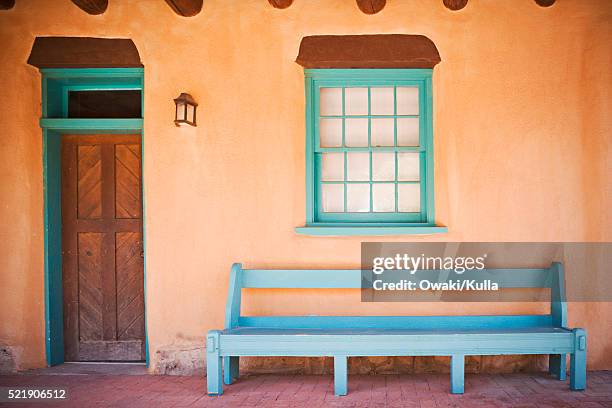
(180, 360)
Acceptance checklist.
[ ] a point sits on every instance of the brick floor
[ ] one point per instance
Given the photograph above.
(418, 391)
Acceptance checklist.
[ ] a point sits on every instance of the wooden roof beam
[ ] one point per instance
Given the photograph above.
(7, 4)
(280, 4)
(93, 7)
(185, 8)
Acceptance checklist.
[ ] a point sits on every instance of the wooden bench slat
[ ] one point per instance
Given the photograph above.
(395, 322)
(266, 331)
(416, 344)
(352, 278)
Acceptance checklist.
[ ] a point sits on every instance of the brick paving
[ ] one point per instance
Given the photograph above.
(418, 390)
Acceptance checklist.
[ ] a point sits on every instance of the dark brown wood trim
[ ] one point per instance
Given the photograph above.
(93, 7)
(70, 279)
(84, 52)
(7, 4)
(455, 4)
(545, 3)
(368, 51)
(371, 6)
(185, 8)
(280, 4)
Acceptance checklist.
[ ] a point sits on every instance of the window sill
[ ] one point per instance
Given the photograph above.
(370, 230)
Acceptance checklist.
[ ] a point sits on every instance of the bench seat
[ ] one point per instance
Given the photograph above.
(253, 341)
(342, 337)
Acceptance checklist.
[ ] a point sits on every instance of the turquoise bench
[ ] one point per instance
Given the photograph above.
(342, 337)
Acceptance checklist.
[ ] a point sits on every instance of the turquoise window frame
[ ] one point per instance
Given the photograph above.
(56, 83)
(319, 223)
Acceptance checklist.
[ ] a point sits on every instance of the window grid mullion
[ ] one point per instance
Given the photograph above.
(345, 155)
(371, 209)
(395, 186)
(373, 182)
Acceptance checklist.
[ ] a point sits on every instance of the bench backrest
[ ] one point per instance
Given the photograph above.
(552, 278)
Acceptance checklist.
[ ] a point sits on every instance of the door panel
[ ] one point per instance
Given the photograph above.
(102, 248)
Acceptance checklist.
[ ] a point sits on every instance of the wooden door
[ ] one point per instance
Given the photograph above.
(102, 248)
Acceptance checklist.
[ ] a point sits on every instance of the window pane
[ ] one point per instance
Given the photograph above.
(356, 101)
(383, 166)
(330, 101)
(407, 101)
(333, 197)
(180, 111)
(356, 132)
(383, 196)
(358, 166)
(408, 166)
(357, 197)
(332, 167)
(382, 132)
(407, 131)
(409, 197)
(382, 101)
(106, 104)
(330, 131)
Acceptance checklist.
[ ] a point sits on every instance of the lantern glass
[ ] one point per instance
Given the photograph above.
(180, 111)
(185, 110)
(190, 114)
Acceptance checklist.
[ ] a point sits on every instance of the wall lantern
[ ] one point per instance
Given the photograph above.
(185, 110)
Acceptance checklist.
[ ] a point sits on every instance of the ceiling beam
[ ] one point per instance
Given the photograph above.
(545, 3)
(280, 4)
(455, 4)
(185, 8)
(7, 4)
(93, 7)
(371, 6)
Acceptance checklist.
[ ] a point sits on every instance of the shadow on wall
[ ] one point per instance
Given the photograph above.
(9, 356)
(190, 360)
(393, 365)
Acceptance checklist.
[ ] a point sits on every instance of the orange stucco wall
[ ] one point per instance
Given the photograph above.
(522, 148)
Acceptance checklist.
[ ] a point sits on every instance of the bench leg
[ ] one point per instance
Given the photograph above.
(340, 375)
(457, 373)
(557, 366)
(230, 369)
(214, 369)
(578, 361)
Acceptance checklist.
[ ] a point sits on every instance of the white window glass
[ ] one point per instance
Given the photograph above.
(407, 131)
(180, 111)
(190, 113)
(383, 166)
(332, 167)
(357, 197)
(356, 132)
(330, 101)
(383, 197)
(333, 197)
(408, 166)
(330, 131)
(409, 197)
(358, 166)
(407, 101)
(383, 132)
(356, 101)
(382, 101)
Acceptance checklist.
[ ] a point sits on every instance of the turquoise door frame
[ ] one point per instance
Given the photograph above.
(56, 83)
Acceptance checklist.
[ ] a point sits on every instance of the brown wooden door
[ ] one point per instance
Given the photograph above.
(102, 248)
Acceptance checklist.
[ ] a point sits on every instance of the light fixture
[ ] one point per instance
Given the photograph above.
(185, 110)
